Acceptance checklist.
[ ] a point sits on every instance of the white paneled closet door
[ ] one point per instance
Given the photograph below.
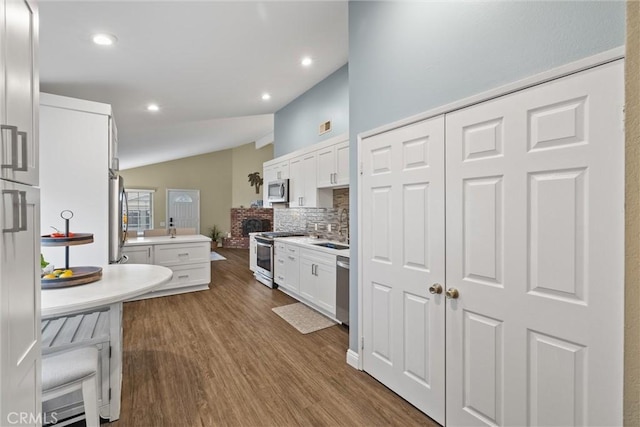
(403, 255)
(534, 238)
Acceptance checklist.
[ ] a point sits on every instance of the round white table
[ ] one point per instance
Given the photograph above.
(119, 283)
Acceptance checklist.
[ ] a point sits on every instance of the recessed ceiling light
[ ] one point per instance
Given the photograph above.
(104, 39)
(266, 97)
(153, 107)
(306, 61)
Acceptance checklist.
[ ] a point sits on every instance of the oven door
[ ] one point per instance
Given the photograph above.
(264, 258)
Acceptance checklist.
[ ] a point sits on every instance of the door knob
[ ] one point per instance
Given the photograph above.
(436, 288)
(452, 293)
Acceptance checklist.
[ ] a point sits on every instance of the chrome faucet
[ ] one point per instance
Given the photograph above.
(343, 224)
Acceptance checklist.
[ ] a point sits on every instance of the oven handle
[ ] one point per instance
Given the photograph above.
(259, 243)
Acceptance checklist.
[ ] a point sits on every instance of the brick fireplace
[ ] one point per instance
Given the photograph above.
(244, 221)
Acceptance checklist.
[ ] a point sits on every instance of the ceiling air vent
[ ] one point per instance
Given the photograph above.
(324, 127)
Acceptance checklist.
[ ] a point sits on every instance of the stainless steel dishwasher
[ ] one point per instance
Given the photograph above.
(342, 289)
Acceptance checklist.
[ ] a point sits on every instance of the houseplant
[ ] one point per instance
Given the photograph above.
(216, 234)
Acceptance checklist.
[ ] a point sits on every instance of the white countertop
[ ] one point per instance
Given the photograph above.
(165, 240)
(310, 243)
(119, 282)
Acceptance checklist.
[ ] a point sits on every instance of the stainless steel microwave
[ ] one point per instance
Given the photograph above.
(278, 191)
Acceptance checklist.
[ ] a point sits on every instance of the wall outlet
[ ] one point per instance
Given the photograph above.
(324, 127)
(162, 223)
(329, 228)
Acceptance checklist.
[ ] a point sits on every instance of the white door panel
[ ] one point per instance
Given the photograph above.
(535, 216)
(403, 255)
(20, 300)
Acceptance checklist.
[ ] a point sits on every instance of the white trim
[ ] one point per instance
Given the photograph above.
(140, 190)
(68, 103)
(353, 359)
(602, 58)
(534, 80)
(359, 254)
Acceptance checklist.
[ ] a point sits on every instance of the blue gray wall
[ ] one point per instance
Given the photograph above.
(296, 125)
(409, 57)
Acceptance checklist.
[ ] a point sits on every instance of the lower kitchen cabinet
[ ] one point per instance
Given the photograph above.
(253, 252)
(139, 254)
(318, 279)
(187, 256)
(292, 269)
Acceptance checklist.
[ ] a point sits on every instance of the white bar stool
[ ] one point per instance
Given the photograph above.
(68, 371)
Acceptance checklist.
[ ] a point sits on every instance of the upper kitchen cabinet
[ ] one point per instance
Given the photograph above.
(303, 190)
(272, 171)
(333, 165)
(19, 85)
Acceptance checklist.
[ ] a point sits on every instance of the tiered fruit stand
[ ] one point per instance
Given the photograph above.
(80, 275)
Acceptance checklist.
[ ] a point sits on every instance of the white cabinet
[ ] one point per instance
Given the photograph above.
(333, 165)
(19, 298)
(19, 215)
(253, 252)
(19, 89)
(139, 254)
(287, 267)
(318, 279)
(303, 191)
(272, 171)
(188, 257)
(292, 269)
(74, 136)
(279, 263)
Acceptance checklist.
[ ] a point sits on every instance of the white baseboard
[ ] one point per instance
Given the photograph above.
(353, 359)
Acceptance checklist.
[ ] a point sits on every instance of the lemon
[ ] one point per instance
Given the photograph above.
(68, 271)
(57, 272)
(50, 276)
(66, 274)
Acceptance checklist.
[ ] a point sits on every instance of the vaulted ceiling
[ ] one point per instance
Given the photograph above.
(205, 63)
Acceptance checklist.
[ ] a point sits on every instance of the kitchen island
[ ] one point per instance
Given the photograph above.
(91, 315)
(188, 256)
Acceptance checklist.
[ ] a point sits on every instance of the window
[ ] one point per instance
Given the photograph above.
(140, 209)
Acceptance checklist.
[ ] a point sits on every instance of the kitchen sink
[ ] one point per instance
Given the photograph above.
(332, 245)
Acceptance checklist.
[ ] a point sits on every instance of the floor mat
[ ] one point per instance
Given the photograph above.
(215, 256)
(303, 318)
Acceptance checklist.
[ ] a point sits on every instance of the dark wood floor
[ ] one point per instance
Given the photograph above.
(222, 357)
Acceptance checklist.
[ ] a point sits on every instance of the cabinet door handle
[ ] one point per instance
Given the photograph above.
(292, 258)
(23, 211)
(184, 276)
(23, 168)
(149, 249)
(184, 254)
(14, 146)
(15, 208)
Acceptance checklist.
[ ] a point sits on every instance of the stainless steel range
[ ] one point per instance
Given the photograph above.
(264, 251)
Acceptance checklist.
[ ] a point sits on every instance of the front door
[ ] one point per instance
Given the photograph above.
(403, 256)
(183, 209)
(534, 237)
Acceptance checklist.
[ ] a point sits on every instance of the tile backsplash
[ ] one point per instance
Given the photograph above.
(336, 218)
